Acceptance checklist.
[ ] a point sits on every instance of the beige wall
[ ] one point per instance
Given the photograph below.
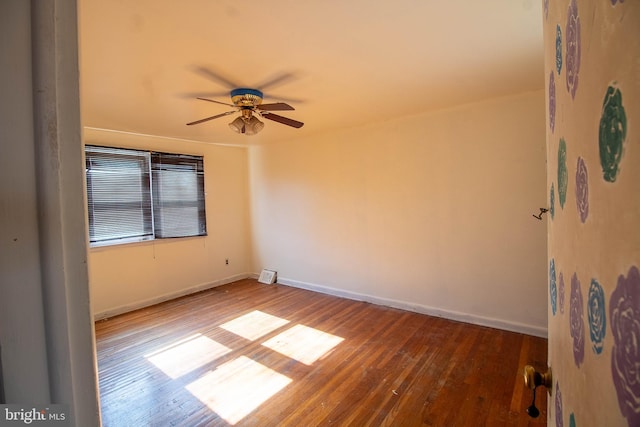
(128, 276)
(432, 212)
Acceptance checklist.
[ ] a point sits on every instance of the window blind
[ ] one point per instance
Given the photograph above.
(178, 195)
(118, 194)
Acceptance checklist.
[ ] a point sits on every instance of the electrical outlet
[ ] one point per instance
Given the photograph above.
(226, 261)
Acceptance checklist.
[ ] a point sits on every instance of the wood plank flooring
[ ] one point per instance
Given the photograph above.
(249, 354)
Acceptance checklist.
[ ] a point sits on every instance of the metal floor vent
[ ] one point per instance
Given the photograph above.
(268, 277)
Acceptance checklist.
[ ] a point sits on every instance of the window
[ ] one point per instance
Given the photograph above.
(140, 195)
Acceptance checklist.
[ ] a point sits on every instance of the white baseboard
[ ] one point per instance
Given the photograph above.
(506, 325)
(169, 296)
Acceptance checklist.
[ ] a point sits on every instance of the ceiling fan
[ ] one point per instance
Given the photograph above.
(249, 103)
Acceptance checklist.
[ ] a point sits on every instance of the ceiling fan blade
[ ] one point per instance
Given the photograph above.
(276, 106)
(284, 120)
(211, 75)
(211, 118)
(191, 95)
(270, 97)
(276, 80)
(217, 102)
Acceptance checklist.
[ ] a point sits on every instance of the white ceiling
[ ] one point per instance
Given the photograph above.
(339, 63)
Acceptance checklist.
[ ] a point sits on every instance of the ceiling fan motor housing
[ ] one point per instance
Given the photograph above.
(245, 97)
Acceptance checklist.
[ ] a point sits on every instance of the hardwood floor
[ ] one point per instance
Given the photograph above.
(267, 355)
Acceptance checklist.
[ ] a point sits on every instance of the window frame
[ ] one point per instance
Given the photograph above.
(151, 230)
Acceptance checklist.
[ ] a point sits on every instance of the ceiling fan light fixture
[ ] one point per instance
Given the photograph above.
(249, 126)
(253, 126)
(237, 125)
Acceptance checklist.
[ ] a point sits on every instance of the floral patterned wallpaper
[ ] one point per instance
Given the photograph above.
(592, 76)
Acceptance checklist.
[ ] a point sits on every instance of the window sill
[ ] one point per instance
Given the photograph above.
(137, 242)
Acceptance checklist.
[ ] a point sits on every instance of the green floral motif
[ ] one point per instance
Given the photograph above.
(613, 131)
(563, 173)
(558, 49)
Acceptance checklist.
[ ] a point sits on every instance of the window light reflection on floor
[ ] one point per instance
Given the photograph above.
(253, 325)
(186, 355)
(236, 388)
(303, 343)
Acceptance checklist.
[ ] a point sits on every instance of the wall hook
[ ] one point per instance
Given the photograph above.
(539, 216)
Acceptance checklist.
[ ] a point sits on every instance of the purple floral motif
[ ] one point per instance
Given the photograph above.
(561, 292)
(613, 2)
(559, 422)
(576, 320)
(553, 290)
(582, 190)
(572, 32)
(624, 316)
(596, 314)
(546, 8)
(552, 102)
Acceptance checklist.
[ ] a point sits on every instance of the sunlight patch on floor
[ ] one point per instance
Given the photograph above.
(186, 355)
(303, 343)
(254, 325)
(236, 388)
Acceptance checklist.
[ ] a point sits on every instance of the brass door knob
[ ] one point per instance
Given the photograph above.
(533, 379)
